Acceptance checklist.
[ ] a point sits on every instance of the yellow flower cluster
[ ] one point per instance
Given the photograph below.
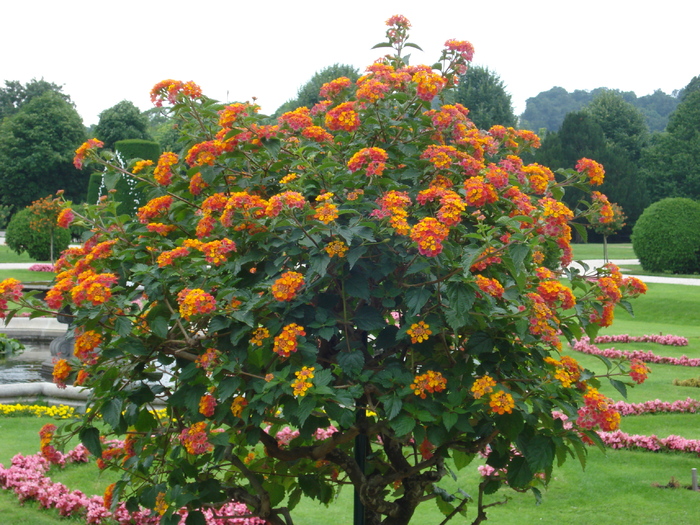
(56, 411)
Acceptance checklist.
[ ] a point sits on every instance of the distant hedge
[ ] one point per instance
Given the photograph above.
(666, 237)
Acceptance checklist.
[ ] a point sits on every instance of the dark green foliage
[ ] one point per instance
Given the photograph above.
(548, 108)
(666, 237)
(128, 195)
(14, 95)
(484, 94)
(120, 122)
(93, 193)
(37, 146)
(671, 164)
(308, 93)
(164, 129)
(21, 237)
(693, 85)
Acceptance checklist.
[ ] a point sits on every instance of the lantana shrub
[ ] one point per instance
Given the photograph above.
(367, 273)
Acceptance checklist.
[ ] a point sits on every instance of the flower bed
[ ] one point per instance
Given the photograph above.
(668, 340)
(583, 345)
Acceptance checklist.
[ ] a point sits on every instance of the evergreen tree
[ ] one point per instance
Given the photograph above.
(120, 122)
(484, 94)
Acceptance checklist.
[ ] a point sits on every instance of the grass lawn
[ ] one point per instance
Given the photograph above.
(595, 251)
(9, 256)
(617, 486)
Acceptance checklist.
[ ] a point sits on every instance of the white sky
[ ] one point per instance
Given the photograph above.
(105, 52)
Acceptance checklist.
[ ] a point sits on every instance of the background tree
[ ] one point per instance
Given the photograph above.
(14, 95)
(37, 145)
(484, 94)
(671, 164)
(623, 125)
(308, 93)
(164, 129)
(120, 122)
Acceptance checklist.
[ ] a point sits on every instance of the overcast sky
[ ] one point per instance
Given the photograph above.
(105, 52)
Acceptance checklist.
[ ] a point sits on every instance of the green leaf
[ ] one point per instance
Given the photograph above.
(627, 306)
(392, 406)
(123, 326)
(357, 285)
(219, 323)
(449, 419)
(367, 318)
(273, 146)
(382, 44)
(351, 362)
(519, 474)
(461, 459)
(159, 327)
(90, 438)
(416, 298)
(403, 425)
(619, 386)
(354, 255)
(195, 517)
(416, 46)
(112, 411)
(445, 507)
(479, 343)
(539, 452)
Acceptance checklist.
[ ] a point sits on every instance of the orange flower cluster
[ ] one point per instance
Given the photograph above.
(490, 286)
(639, 371)
(163, 173)
(215, 251)
(290, 199)
(428, 234)
(431, 382)
(479, 192)
(65, 218)
(286, 343)
(539, 176)
(393, 204)
(197, 184)
(485, 260)
(160, 228)
(374, 158)
(594, 171)
(207, 405)
(333, 88)
(93, 287)
(167, 258)
(259, 335)
(234, 112)
(482, 386)
(303, 381)
(154, 208)
(343, 117)
(170, 89)
(597, 412)
(543, 321)
(371, 90)
(606, 211)
(141, 165)
(205, 153)
(501, 403)
(195, 301)
(237, 405)
(195, 439)
(317, 133)
(297, 119)
(10, 289)
(419, 332)
(326, 212)
(567, 370)
(286, 287)
(46, 449)
(553, 291)
(209, 360)
(83, 151)
(429, 83)
(85, 343)
(61, 371)
(334, 248)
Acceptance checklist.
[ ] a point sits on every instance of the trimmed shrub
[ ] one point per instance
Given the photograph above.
(129, 196)
(666, 237)
(693, 382)
(20, 237)
(93, 193)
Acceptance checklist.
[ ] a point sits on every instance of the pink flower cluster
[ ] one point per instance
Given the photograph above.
(668, 340)
(27, 477)
(619, 439)
(688, 405)
(42, 268)
(648, 357)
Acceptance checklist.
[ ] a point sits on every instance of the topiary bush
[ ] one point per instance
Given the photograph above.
(20, 237)
(666, 238)
(129, 196)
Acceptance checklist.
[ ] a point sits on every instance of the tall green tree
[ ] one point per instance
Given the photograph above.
(671, 164)
(308, 93)
(15, 94)
(623, 124)
(484, 93)
(37, 146)
(120, 122)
